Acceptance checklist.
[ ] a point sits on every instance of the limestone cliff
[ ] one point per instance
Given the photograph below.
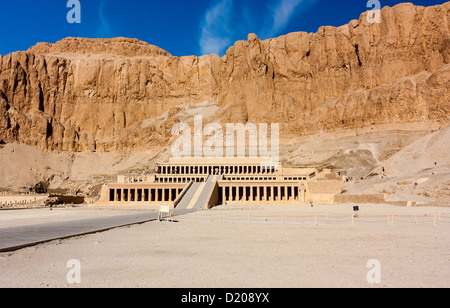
(122, 94)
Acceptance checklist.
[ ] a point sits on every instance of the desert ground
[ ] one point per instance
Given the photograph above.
(242, 247)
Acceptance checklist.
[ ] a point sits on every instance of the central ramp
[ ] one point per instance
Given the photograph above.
(201, 195)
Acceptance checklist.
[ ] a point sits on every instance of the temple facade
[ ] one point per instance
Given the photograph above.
(203, 183)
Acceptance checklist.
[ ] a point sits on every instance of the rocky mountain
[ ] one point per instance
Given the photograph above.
(124, 95)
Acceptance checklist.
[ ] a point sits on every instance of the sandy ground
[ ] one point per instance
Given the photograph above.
(202, 250)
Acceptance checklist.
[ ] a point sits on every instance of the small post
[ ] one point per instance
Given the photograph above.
(392, 220)
(415, 219)
(435, 220)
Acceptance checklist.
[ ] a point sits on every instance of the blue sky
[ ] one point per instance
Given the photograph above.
(182, 27)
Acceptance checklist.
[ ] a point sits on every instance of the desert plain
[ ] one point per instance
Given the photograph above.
(241, 247)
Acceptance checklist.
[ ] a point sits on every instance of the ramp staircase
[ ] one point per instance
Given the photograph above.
(202, 195)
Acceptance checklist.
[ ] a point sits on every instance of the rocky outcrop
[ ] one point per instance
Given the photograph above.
(125, 95)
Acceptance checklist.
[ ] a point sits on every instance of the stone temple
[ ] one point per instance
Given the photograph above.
(206, 182)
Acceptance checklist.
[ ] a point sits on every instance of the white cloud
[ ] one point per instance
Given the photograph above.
(104, 29)
(281, 15)
(216, 34)
(228, 20)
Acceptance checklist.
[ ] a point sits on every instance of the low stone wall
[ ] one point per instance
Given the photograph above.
(320, 199)
(325, 187)
(14, 201)
(376, 198)
(68, 199)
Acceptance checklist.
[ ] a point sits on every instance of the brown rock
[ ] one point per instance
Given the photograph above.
(105, 94)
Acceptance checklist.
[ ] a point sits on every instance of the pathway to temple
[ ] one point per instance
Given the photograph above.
(14, 238)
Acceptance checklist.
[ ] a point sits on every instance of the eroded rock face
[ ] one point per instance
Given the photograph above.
(104, 94)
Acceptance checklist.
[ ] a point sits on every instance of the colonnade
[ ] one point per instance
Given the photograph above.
(216, 170)
(261, 193)
(179, 179)
(144, 194)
